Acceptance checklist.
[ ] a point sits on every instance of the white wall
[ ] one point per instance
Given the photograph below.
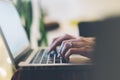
(84, 9)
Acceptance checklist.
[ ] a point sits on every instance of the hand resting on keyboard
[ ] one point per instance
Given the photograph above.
(82, 47)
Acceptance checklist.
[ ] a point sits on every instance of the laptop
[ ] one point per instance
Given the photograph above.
(18, 45)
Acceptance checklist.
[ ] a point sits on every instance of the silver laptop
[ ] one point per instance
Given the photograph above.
(18, 44)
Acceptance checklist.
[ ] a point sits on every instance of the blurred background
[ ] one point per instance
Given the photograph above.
(44, 20)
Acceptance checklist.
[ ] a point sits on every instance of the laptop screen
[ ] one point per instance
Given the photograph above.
(12, 28)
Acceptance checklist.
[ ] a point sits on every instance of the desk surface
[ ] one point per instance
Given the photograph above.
(6, 70)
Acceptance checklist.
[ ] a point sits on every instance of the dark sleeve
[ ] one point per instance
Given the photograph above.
(90, 29)
(97, 28)
(107, 51)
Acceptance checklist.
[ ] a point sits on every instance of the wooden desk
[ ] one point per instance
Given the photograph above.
(6, 69)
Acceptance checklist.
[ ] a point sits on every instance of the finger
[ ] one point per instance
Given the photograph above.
(90, 40)
(54, 39)
(74, 43)
(59, 40)
(78, 44)
(66, 44)
(82, 44)
(55, 44)
(64, 47)
(71, 44)
(82, 51)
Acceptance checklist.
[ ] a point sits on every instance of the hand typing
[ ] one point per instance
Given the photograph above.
(73, 45)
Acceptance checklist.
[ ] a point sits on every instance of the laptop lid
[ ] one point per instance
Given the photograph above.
(12, 30)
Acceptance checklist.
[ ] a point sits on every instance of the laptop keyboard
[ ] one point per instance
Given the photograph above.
(42, 57)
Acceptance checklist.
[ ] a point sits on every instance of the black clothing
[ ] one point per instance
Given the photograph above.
(107, 52)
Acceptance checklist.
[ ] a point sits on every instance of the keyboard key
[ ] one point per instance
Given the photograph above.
(37, 57)
(42, 57)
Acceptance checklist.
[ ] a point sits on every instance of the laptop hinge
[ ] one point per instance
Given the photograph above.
(23, 57)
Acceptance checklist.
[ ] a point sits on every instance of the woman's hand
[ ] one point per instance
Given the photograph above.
(73, 45)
